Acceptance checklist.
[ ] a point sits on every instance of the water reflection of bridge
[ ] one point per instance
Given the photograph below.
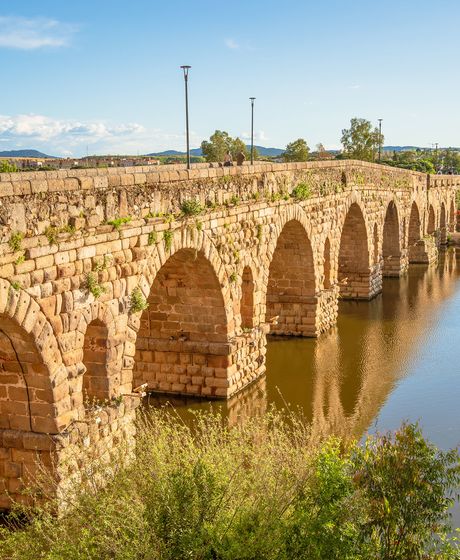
(340, 381)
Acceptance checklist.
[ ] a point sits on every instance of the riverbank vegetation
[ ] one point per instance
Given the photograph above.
(263, 490)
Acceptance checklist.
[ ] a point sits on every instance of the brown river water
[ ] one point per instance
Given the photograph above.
(393, 359)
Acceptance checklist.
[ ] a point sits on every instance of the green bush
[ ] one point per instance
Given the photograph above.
(301, 191)
(191, 207)
(168, 236)
(137, 301)
(15, 240)
(118, 222)
(7, 167)
(93, 286)
(265, 490)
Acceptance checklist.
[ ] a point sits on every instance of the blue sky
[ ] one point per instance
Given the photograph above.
(104, 75)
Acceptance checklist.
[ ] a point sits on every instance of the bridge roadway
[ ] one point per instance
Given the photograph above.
(222, 257)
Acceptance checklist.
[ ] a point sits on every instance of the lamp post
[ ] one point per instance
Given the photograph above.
(252, 129)
(186, 69)
(380, 139)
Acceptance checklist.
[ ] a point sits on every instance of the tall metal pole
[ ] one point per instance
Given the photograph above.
(186, 69)
(252, 129)
(380, 139)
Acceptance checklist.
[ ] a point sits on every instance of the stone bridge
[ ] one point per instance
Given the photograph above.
(115, 278)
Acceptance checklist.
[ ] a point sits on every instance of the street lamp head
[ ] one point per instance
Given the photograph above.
(252, 99)
(185, 68)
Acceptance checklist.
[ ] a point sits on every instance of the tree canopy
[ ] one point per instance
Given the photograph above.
(297, 150)
(219, 143)
(361, 141)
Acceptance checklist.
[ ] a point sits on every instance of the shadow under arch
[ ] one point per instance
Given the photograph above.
(431, 227)
(443, 224)
(414, 242)
(181, 344)
(96, 383)
(247, 298)
(391, 244)
(353, 263)
(291, 302)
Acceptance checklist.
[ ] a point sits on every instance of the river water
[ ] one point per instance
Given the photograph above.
(392, 359)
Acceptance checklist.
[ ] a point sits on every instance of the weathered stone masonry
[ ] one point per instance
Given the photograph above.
(271, 251)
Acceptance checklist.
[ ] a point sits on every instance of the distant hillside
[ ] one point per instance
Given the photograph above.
(23, 154)
(399, 148)
(272, 152)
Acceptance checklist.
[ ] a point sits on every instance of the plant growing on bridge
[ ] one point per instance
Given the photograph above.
(15, 286)
(118, 222)
(168, 236)
(93, 286)
(191, 207)
(301, 191)
(259, 232)
(152, 238)
(20, 259)
(51, 233)
(15, 240)
(137, 301)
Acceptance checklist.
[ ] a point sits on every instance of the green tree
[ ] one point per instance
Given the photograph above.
(7, 167)
(361, 141)
(219, 143)
(296, 151)
(239, 146)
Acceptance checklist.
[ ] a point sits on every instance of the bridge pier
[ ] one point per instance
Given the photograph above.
(205, 369)
(424, 251)
(395, 266)
(361, 285)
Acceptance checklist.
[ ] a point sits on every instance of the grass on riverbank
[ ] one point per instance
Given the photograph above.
(258, 491)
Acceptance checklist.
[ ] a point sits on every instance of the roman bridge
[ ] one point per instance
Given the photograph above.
(115, 278)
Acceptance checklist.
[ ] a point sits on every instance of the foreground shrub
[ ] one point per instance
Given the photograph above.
(261, 491)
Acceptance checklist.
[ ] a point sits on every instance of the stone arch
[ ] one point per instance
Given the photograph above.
(443, 224)
(47, 382)
(353, 261)
(247, 299)
(291, 287)
(96, 384)
(391, 245)
(376, 245)
(32, 378)
(181, 344)
(327, 282)
(414, 234)
(431, 226)
(199, 243)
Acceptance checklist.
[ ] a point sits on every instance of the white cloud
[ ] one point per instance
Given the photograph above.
(45, 128)
(259, 136)
(354, 86)
(73, 137)
(34, 33)
(231, 44)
